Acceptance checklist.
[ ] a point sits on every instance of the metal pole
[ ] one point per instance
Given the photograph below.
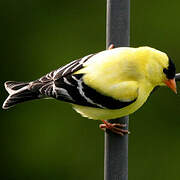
(116, 146)
(177, 77)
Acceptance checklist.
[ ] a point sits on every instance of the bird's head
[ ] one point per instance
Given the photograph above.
(161, 69)
(170, 73)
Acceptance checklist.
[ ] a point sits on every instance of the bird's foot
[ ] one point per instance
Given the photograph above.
(114, 127)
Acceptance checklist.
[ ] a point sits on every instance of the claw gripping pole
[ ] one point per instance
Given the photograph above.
(116, 146)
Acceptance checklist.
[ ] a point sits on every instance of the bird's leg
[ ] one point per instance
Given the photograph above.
(114, 127)
(111, 46)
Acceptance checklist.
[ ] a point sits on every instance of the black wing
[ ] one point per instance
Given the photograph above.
(63, 85)
(46, 84)
(72, 89)
(63, 71)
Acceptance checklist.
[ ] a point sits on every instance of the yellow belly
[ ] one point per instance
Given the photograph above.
(105, 114)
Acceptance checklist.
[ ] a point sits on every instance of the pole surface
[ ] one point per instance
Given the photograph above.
(116, 146)
(177, 77)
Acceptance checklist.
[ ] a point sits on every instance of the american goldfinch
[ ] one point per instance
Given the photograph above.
(106, 85)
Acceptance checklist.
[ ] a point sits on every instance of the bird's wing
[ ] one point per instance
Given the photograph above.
(73, 89)
(45, 85)
(65, 70)
(65, 85)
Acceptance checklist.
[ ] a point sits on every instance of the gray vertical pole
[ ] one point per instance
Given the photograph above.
(116, 146)
(177, 77)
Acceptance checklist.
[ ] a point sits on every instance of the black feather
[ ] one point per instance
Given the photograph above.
(98, 100)
(171, 70)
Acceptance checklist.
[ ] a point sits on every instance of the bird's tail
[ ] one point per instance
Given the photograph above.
(18, 92)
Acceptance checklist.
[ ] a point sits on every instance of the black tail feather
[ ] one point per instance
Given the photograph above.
(18, 92)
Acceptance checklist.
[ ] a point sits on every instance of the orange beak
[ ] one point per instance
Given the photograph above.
(171, 83)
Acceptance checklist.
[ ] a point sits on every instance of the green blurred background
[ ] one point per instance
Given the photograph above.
(46, 139)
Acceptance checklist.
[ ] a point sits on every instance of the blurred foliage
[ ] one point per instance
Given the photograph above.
(46, 139)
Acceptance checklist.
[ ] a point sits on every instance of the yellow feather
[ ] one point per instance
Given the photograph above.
(124, 74)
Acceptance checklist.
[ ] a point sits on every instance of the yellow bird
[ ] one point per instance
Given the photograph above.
(106, 85)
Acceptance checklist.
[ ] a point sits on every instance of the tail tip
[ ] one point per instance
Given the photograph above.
(5, 104)
(18, 92)
(5, 107)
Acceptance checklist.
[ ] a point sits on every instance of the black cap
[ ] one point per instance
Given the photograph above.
(171, 70)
